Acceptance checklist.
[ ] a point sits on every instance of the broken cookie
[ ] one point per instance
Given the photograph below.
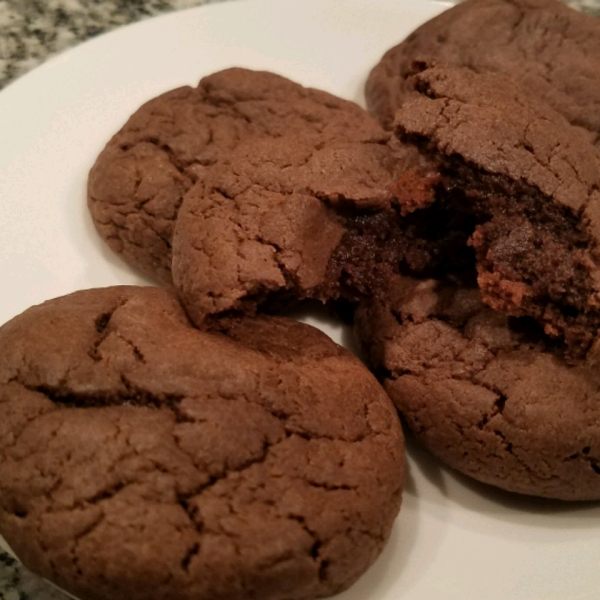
(524, 188)
(274, 221)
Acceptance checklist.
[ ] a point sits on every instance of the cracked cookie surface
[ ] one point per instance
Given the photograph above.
(485, 392)
(142, 458)
(549, 49)
(136, 186)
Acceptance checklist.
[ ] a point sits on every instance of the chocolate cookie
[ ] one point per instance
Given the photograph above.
(136, 186)
(484, 392)
(549, 49)
(524, 188)
(141, 458)
(286, 218)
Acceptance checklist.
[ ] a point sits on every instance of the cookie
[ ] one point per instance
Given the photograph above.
(275, 221)
(141, 458)
(549, 49)
(136, 186)
(484, 392)
(524, 186)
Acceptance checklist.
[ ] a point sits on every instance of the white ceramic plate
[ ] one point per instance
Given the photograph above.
(454, 539)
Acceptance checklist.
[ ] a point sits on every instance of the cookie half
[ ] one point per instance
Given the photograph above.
(136, 186)
(524, 188)
(484, 392)
(549, 49)
(142, 458)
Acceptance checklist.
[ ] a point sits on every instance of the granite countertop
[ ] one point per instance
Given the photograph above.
(32, 31)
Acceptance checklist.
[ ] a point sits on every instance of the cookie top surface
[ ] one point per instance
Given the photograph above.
(549, 49)
(136, 186)
(141, 458)
(484, 392)
(270, 220)
(494, 125)
(527, 185)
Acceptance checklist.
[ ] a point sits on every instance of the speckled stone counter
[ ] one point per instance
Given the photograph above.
(32, 31)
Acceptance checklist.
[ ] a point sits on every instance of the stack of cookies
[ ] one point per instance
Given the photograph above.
(183, 441)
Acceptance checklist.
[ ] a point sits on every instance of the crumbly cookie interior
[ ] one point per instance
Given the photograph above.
(531, 255)
(377, 245)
